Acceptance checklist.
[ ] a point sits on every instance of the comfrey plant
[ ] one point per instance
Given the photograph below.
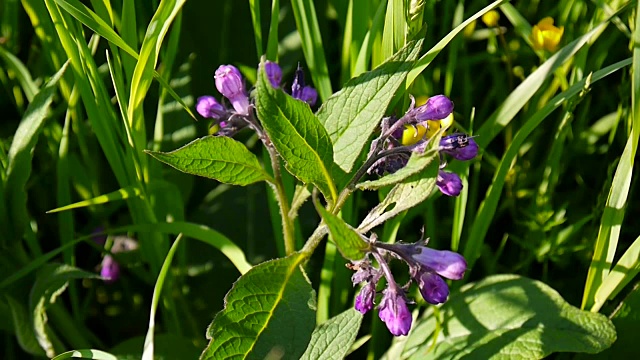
(408, 155)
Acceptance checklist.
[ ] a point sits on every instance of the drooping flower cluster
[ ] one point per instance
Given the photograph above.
(230, 84)
(411, 134)
(427, 267)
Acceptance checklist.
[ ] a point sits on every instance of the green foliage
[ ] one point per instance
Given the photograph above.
(218, 158)
(277, 302)
(512, 316)
(348, 241)
(333, 338)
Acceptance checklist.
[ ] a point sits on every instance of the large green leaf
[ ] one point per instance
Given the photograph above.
(347, 240)
(270, 309)
(352, 114)
(19, 160)
(51, 281)
(506, 317)
(216, 157)
(332, 339)
(414, 190)
(297, 135)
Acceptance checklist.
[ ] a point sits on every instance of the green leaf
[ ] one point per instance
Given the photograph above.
(417, 162)
(297, 135)
(20, 156)
(506, 317)
(347, 240)
(86, 354)
(332, 339)
(167, 346)
(51, 281)
(412, 192)
(216, 157)
(120, 194)
(23, 327)
(625, 270)
(351, 114)
(270, 309)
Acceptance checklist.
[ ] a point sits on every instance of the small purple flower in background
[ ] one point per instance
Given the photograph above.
(98, 237)
(459, 146)
(394, 311)
(208, 107)
(449, 184)
(109, 269)
(229, 83)
(274, 73)
(300, 91)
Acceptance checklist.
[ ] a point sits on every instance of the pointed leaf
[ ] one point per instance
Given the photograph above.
(216, 157)
(297, 135)
(347, 240)
(412, 192)
(270, 308)
(506, 317)
(351, 115)
(332, 339)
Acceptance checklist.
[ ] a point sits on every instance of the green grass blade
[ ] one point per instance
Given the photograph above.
(426, 59)
(254, 6)
(198, 232)
(625, 270)
(20, 157)
(307, 24)
(121, 194)
(157, 291)
(272, 42)
(22, 73)
(487, 209)
(364, 55)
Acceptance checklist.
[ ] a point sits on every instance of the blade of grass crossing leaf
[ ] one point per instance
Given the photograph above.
(613, 215)
(157, 291)
(625, 270)
(254, 6)
(307, 23)
(487, 209)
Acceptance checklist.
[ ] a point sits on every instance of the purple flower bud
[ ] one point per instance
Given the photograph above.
(109, 270)
(308, 95)
(364, 300)
(446, 263)
(208, 107)
(229, 83)
(274, 73)
(460, 146)
(434, 290)
(449, 184)
(394, 312)
(436, 108)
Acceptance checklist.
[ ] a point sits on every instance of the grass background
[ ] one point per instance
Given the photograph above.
(560, 204)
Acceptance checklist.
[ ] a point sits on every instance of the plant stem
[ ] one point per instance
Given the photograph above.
(314, 240)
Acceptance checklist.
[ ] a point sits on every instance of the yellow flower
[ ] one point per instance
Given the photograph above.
(491, 18)
(546, 36)
(469, 29)
(414, 133)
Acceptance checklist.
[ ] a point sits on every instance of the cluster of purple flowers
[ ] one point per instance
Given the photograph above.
(392, 154)
(426, 268)
(230, 84)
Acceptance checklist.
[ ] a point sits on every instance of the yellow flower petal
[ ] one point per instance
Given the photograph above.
(491, 18)
(413, 134)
